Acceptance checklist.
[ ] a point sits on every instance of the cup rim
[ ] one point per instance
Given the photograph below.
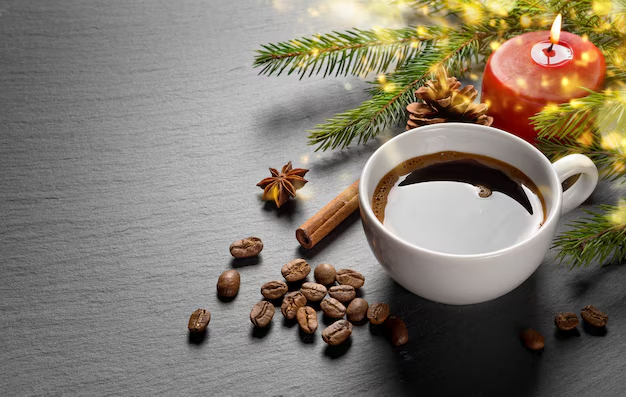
(366, 206)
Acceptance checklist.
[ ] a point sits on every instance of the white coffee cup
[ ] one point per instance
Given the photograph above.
(465, 279)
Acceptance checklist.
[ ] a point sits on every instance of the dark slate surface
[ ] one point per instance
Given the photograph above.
(132, 134)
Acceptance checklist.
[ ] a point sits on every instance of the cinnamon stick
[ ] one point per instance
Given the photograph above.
(329, 217)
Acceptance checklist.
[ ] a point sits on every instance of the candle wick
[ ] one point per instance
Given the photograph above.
(550, 48)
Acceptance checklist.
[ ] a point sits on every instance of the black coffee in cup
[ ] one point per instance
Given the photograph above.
(459, 203)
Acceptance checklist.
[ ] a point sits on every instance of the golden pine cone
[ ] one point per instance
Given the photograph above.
(443, 101)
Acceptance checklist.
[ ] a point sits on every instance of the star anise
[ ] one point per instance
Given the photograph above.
(280, 186)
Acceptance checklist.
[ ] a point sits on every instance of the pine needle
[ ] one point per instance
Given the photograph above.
(608, 156)
(598, 112)
(355, 52)
(390, 98)
(598, 237)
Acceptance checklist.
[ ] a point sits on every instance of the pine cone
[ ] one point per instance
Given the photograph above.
(443, 101)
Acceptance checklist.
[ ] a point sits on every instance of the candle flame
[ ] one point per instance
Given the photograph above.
(555, 32)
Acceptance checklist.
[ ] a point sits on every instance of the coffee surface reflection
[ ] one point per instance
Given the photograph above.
(458, 203)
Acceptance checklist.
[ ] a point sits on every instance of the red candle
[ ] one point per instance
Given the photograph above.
(537, 69)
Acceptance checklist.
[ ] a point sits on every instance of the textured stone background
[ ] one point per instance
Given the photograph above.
(132, 134)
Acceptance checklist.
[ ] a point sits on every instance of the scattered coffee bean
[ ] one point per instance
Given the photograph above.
(307, 319)
(296, 270)
(313, 291)
(262, 314)
(228, 283)
(396, 331)
(532, 339)
(325, 274)
(247, 247)
(343, 293)
(378, 313)
(593, 316)
(350, 277)
(333, 308)
(337, 333)
(198, 321)
(566, 321)
(274, 289)
(356, 310)
(291, 303)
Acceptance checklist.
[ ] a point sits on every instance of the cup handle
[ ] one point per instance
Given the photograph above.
(581, 189)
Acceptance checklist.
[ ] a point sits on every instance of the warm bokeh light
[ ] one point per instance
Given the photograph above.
(313, 12)
(422, 32)
(525, 21)
(499, 7)
(472, 13)
(576, 103)
(552, 108)
(601, 7)
(618, 216)
(555, 32)
(390, 87)
(586, 58)
(585, 139)
(358, 13)
(613, 141)
(619, 167)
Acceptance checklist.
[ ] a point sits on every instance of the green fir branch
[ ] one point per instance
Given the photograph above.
(611, 160)
(355, 52)
(598, 237)
(390, 98)
(615, 70)
(604, 111)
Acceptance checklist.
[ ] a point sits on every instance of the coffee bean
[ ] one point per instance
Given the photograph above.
(378, 313)
(247, 247)
(325, 274)
(296, 270)
(532, 339)
(343, 293)
(333, 308)
(307, 319)
(337, 333)
(593, 316)
(313, 292)
(566, 321)
(228, 283)
(396, 331)
(350, 277)
(261, 314)
(357, 309)
(291, 303)
(198, 321)
(274, 289)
